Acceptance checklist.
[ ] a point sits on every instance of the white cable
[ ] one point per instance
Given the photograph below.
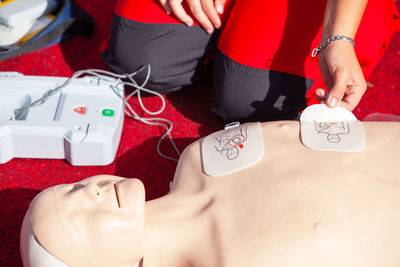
(128, 110)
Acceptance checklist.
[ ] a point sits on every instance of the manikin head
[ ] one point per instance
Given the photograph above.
(96, 222)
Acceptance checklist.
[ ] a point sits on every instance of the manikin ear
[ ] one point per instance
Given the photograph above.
(32, 252)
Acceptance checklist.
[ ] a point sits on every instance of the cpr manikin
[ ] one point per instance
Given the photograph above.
(294, 207)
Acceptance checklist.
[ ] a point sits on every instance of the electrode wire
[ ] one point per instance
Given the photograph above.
(128, 110)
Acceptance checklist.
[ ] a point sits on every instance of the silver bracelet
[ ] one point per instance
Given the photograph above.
(330, 40)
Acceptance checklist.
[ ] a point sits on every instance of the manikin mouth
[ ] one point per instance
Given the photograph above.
(116, 195)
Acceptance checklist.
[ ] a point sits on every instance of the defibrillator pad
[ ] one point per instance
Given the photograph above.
(233, 149)
(331, 129)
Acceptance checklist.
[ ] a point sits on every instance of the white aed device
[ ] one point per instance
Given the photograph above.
(17, 12)
(81, 123)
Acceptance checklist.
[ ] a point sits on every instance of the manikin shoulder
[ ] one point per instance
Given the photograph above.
(189, 176)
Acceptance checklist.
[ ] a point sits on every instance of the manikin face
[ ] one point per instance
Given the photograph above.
(96, 222)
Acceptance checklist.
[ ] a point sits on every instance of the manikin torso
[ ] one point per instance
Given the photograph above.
(296, 207)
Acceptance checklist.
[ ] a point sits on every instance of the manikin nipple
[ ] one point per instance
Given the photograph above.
(318, 228)
(322, 238)
(284, 126)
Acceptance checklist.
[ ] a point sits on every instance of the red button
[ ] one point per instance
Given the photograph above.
(80, 110)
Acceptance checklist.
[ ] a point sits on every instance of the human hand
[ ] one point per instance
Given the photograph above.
(204, 11)
(342, 74)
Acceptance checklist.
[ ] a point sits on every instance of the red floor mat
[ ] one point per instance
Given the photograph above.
(189, 110)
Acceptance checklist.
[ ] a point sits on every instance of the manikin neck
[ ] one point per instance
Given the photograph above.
(177, 228)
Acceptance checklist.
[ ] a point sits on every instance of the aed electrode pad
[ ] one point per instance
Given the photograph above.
(331, 129)
(232, 149)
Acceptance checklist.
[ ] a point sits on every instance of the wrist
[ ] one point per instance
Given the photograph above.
(330, 40)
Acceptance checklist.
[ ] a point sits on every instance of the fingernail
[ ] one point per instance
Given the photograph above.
(168, 10)
(333, 101)
(210, 30)
(189, 23)
(220, 8)
(320, 94)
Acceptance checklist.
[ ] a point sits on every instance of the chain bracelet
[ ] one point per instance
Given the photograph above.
(330, 40)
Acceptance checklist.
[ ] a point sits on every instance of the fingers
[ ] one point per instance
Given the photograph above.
(178, 10)
(211, 12)
(219, 6)
(166, 6)
(339, 87)
(320, 95)
(351, 100)
(203, 11)
(346, 92)
(354, 93)
(342, 75)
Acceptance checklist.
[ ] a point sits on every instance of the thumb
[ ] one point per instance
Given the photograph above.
(220, 5)
(338, 89)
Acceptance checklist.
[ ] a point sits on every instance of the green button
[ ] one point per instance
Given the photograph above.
(108, 112)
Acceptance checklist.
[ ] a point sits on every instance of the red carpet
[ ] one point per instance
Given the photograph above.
(189, 110)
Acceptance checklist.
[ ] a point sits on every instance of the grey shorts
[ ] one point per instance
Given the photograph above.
(179, 55)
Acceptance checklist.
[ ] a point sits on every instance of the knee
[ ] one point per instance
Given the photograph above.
(128, 50)
(174, 52)
(250, 94)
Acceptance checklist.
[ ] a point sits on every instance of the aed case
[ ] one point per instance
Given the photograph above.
(82, 123)
(17, 12)
(68, 20)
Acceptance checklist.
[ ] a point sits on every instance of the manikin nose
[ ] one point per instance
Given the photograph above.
(93, 190)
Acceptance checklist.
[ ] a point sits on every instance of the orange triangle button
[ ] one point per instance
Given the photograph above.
(80, 110)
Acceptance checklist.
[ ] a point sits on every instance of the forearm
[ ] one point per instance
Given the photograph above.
(342, 17)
